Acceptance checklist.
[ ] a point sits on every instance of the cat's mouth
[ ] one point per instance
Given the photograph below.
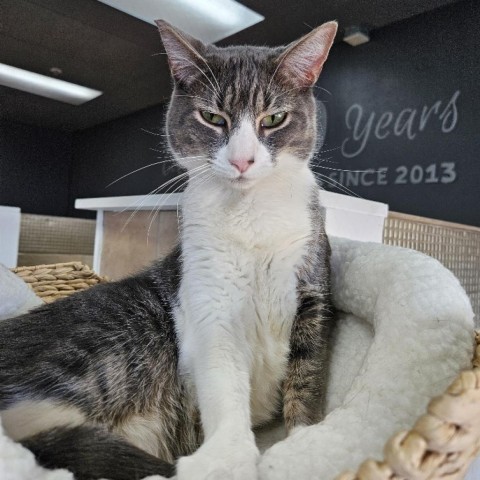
(242, 179)
(241, 182)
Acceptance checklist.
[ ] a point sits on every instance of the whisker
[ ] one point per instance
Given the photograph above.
(128, 207)
(132, 172)
(194, 96)
(215, 78)
(288, 91)
(163, 185)
(190, 157)
(213, 89)
(330, 150)
(157, 150)
(159, 206)
(179, 178)
(324, 89)
(271, 79)
(150, 132)
(155, 190)
(343, 170)
(336, 184)
(321, 160)
(195, 175)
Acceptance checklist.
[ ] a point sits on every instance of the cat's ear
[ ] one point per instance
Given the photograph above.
(302, 61)
(185, 53)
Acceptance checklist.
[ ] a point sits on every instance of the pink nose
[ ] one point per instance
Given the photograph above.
(242, 165)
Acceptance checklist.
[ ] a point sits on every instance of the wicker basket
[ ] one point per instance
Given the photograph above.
(441, 445)
(51, 282)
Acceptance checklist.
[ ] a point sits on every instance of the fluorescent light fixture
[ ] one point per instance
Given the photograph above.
(207, 20)
(356, 35)
(45, 86)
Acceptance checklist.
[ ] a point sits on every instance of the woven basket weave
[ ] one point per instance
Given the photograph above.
(51, 282)
(440, 446)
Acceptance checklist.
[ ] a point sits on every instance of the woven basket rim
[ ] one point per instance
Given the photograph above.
(442, 443)
(58, 280)
(52, 266)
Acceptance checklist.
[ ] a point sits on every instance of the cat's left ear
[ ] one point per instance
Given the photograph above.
(302, 61)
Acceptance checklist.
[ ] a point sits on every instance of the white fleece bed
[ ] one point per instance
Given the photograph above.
(406, 331)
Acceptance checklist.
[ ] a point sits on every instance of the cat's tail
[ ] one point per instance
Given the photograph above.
(92, 453)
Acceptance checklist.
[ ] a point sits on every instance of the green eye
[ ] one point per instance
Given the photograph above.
(213, 118)
(271, 121)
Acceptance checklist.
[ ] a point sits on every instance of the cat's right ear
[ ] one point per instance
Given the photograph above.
(185, 53)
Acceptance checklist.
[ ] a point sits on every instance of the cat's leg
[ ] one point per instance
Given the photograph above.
(92, 452)
(216, 353)
(304, 388)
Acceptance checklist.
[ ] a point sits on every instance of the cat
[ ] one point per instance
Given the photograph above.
(167, 371)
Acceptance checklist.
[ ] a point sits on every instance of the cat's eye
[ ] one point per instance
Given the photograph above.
(213, 118)
(271, 121)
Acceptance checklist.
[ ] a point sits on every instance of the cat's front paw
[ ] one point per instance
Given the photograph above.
(220, 461)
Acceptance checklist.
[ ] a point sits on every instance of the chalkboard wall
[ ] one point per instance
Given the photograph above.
(35, 168)
(110, 159)
(404, 115)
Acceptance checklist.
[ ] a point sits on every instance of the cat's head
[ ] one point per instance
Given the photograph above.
(242, 112)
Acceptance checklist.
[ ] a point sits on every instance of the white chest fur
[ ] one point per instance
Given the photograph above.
(241, 253)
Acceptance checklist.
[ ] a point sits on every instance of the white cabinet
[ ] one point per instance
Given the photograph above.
(9, 235)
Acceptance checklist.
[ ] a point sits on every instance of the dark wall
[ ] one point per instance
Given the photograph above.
(107, 152)
(406, 108)
(34, 168)
(403, 115)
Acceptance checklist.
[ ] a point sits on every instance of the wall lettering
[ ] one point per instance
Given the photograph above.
(408, 123)
(444, 173)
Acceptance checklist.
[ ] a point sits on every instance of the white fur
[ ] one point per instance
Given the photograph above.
(419, 316)
(241, 250)
(31, 417)
(243, 145)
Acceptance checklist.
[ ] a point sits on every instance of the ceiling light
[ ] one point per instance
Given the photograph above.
(207, 20)
(356, 35)
(45, 86)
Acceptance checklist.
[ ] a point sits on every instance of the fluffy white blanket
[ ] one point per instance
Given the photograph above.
(406, 331)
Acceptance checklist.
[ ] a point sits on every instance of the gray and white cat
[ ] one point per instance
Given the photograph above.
(178, 363)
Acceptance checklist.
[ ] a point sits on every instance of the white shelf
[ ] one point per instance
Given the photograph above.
(131, 202)
(348, 217)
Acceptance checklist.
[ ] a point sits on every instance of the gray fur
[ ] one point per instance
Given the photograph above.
(111, 351)
(306, 382)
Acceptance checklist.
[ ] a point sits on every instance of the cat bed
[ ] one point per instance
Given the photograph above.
(405, 333)
(15, 297)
